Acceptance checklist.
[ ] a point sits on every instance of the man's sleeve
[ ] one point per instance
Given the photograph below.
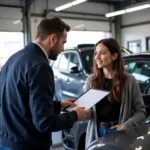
(56, 106)
(41, 91)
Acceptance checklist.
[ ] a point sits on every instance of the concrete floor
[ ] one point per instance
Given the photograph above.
(58, 148)
(57, 141)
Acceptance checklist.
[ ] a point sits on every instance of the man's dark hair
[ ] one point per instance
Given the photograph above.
(50, 26)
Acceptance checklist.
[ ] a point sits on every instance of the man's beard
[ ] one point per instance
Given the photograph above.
(52, 56)
(53, 53)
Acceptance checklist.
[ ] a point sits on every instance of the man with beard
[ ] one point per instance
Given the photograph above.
(28, 113)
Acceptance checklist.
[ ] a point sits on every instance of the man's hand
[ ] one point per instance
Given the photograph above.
(66, 103)
(81, 113)
(119, 127)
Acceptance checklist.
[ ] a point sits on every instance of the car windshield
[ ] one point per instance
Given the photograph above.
(140, 70)
(87, 57)
(124, 53)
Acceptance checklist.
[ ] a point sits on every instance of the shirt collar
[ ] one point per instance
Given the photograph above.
(42, 50)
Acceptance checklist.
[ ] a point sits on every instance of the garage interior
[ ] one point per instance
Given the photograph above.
(20, 18)
(86, 16)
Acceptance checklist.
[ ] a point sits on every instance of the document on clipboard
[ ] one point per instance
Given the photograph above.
(89, 99)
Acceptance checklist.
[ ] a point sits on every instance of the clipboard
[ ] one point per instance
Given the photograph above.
(89, 99)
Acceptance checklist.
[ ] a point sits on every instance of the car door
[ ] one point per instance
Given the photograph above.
(76, 76)
(60, 69)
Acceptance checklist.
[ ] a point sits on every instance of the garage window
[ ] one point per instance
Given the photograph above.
(9, 45)
(134, 46)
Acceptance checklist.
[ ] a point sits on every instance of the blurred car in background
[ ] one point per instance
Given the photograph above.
(70, 72)
(139, 66)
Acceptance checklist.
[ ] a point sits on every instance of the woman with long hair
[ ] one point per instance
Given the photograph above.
(124, 106)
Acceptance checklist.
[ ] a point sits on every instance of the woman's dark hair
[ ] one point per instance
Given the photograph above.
(51, 25)
(119, 76)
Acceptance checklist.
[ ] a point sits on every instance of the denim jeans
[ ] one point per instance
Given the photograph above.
(102, 131)
(3, 147)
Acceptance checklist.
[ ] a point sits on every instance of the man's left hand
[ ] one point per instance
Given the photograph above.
(66, 103)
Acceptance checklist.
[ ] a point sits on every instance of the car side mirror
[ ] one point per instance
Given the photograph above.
(74, 69)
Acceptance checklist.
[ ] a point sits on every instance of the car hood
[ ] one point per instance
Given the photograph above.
(130, 139)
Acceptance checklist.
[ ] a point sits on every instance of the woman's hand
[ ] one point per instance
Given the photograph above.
(67, 103)
(119, 127)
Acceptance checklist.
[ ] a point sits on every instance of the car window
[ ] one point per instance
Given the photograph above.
(87, 57)
(129, 67)
(74, 61)
(141, 71)
(124, 53)
(64, 60)
(56, 63)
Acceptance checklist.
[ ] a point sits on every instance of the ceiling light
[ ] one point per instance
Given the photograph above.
(16, 21)
(76, 2)
(128, 10)
(138, 8)
(79, 26)
(120, 12)
(63, 7)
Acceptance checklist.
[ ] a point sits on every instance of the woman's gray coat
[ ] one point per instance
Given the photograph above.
(132, 109)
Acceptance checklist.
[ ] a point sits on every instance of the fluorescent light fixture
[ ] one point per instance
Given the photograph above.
(76, 2)
(79, 26)
(137, 8)
(63, 7)
(16, 21)
(120, 12)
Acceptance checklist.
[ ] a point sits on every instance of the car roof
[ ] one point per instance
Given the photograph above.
(81, 47)
(145, 54)
(85, 47)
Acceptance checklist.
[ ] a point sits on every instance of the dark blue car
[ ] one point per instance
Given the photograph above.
(71, 70)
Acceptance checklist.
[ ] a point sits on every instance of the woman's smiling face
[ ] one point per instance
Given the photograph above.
(103, 57)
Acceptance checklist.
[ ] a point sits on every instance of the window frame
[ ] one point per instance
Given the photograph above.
(147, 47)
(79, 58)
(60, 70)
(134, 41)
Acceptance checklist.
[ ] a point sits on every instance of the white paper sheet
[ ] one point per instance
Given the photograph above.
(89, 99)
